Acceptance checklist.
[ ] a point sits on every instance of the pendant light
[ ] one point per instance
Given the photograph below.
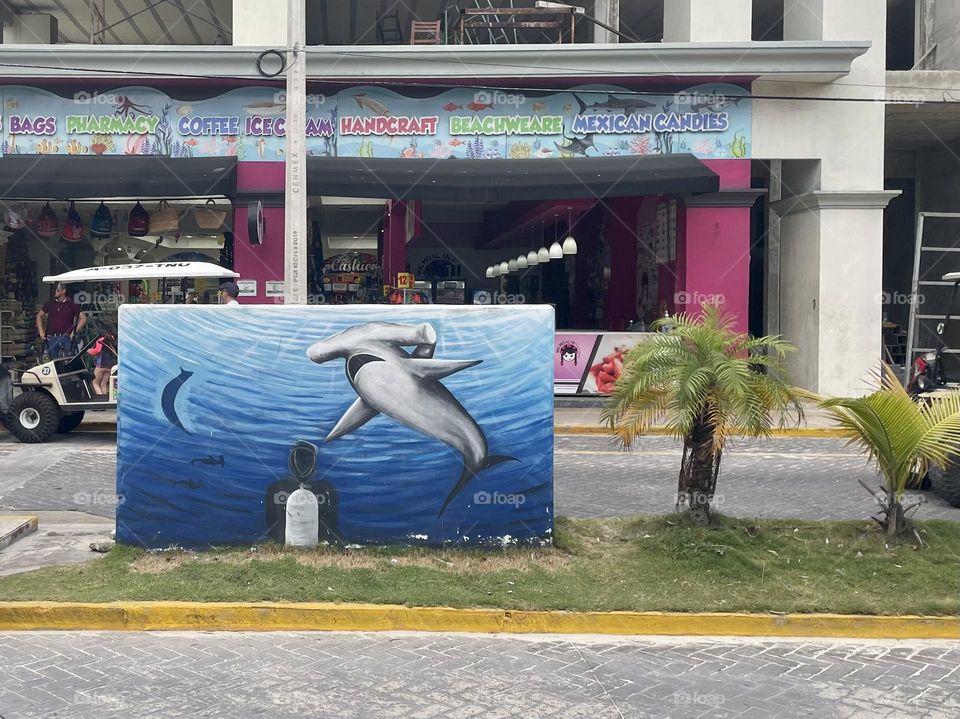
(522, 262)
(532, 259)
(544, 254)
(504, 268)
(490, 272)
(569, 246)
(556, 251)
(512, 265)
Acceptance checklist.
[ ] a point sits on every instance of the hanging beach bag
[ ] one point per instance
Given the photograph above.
(16, 217)
(165, 220)
(139, 223)
(102, 223)
(73, 227)
(48, 224)
(209, 217)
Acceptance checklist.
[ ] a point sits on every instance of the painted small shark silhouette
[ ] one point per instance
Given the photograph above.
(615, 105)
(577, 146)
(209, 459)
(406, 387)
(188, 483)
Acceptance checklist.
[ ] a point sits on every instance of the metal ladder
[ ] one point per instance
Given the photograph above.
(937, 252)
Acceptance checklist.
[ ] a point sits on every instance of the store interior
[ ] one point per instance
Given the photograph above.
(597, 262)
(196, 229)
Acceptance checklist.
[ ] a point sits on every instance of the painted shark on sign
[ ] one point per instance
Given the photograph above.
(406, 387)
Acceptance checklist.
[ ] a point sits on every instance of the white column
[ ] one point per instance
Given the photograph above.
(295, 210)
(707, 20)
(831, 228)
(258, 22)
(608, 12)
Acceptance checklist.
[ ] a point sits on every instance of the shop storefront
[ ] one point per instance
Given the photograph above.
(615, 205)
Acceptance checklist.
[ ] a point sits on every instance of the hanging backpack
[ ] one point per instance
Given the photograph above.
(139, 222)
(73, 227)
(102, 223)
(48, 225)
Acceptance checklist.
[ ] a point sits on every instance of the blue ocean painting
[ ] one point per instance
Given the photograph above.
(405, 425)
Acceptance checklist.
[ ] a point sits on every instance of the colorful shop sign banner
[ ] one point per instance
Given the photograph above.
(356, 424)
(590, 363)
(710, 121)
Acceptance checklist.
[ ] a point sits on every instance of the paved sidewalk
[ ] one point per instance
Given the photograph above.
(385, 675)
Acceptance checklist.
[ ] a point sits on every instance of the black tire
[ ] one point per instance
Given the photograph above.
(946, 483)
(69, 421)
(33, 416)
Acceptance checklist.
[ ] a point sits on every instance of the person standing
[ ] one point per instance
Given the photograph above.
(63, 320)
(229, 291)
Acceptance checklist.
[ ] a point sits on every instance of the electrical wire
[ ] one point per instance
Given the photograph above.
(575, 73)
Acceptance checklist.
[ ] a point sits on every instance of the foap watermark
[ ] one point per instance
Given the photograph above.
(702, 100)
(282, 497)
(499, 498)
(686, 699)
(492, 98)
(900, 298)
(313, 99)
(96, 98)
(98, 499)
(698, 299)
(899, 98)
(487, 297)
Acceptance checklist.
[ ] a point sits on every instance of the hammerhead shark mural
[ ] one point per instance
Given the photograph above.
(406, 387)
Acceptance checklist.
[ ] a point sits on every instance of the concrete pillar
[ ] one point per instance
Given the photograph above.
(394, 242)
(620, 234)
(713, 251)
(707, 20)
(259, 182)
(256, 22)
(831, 266)
(608, 12)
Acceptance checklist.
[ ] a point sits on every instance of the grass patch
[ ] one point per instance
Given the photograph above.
(644, 563)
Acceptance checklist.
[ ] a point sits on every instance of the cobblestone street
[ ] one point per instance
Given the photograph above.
(340, 676)
(779, 478)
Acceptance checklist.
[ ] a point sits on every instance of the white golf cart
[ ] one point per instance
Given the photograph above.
(53, 396)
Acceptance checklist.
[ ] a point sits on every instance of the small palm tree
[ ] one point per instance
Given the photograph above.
(705, 381)
(901, 435)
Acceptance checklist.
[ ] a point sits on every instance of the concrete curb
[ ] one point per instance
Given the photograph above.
(797, 432)
(228, 616)
(26, 524)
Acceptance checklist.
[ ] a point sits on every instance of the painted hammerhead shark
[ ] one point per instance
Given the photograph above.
(406, 387)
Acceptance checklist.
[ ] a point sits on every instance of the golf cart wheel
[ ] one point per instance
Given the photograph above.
(69, 422)
(33, 417)
(946, 483)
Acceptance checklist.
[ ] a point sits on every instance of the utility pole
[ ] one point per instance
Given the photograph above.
(295, 211)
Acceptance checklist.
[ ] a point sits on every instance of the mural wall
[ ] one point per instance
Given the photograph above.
(410, 425)
(709, 121)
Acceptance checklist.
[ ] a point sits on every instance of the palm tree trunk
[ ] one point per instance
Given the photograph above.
(699, 480)
(895, 521)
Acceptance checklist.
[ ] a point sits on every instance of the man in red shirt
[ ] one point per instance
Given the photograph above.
(63, 319)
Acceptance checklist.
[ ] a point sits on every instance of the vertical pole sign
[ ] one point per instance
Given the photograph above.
(295, 213)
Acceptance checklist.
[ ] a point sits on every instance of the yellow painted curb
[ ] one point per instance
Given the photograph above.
(809, 432)
(226, 616)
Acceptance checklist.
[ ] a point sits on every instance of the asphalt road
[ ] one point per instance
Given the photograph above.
(786, 478)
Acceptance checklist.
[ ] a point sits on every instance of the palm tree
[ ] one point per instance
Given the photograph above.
(705, 381)
(901, 435)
